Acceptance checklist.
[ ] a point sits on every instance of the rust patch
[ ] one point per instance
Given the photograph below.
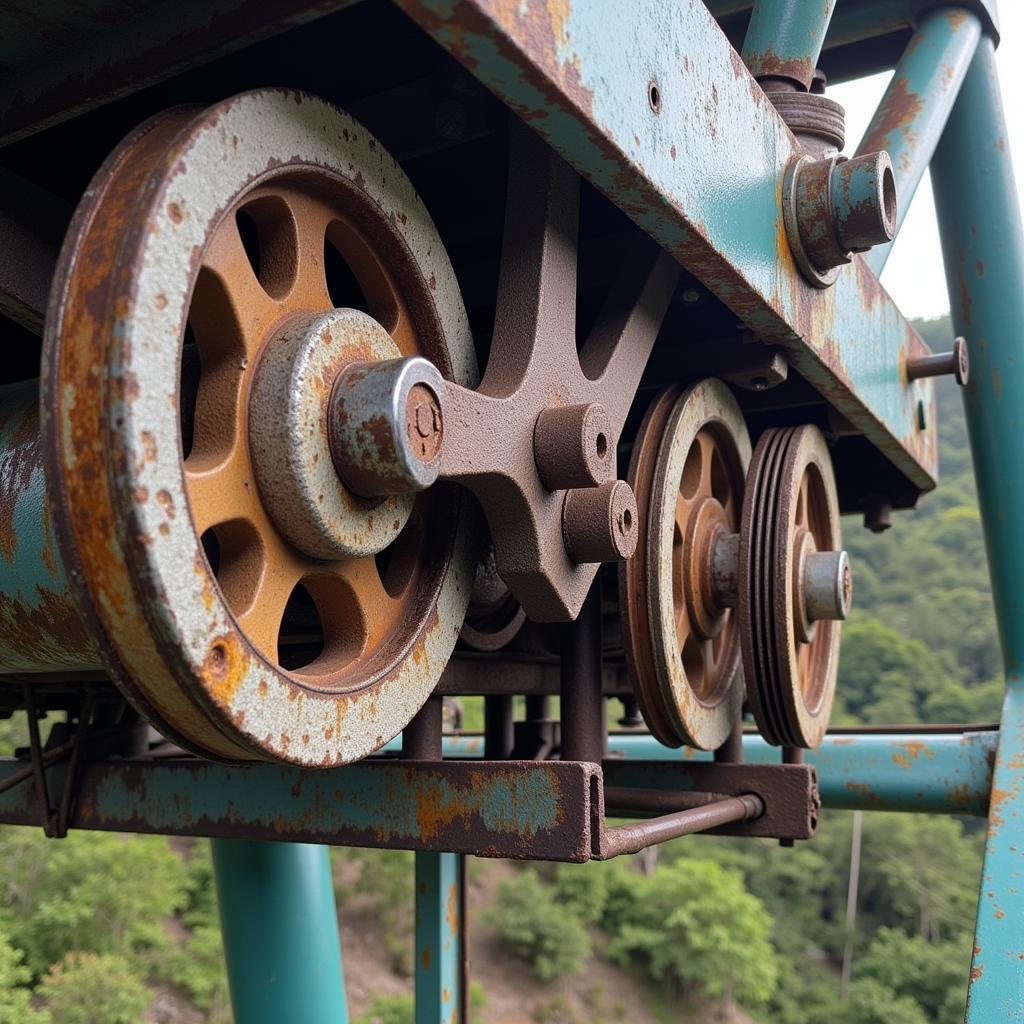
(897, 113)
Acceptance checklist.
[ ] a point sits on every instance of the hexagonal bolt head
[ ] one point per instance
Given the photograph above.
(385, 422)
(600, 524)
(955, 363)
(827, 585)
(573, 446)
(836, 207)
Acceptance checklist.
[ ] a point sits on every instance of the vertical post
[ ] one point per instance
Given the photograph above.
(499, 727)
(784, 39)
(983, 249)
(280, 930)
(582, 692)
(441, 985)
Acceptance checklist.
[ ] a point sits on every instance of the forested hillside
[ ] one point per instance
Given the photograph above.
(105, 929)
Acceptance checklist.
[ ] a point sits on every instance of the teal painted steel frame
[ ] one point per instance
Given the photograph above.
(280, 930)
(440, 935)
(701, 171)
(983, 247)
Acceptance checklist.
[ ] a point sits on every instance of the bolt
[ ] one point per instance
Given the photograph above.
(955, 362)
(423, 422)
(572, 446)
(877, 513)
(599, 524)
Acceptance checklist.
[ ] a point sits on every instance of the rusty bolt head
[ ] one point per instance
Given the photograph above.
(877, 512)
(955, 362)
(423, 423)
(600, 524)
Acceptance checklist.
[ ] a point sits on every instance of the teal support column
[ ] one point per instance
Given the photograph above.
(983, 249)
(440, 931)
(784, 38)
(913, 112)
(280, 931)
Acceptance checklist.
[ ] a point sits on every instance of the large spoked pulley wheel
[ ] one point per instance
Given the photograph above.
(794, 586)
(223, 268)
(688, 469)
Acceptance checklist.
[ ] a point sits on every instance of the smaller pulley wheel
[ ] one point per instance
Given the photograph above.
(682, 646)
(794, 586)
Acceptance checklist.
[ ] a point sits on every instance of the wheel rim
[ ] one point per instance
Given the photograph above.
(191, 631)
(688, 472)
(791, 508)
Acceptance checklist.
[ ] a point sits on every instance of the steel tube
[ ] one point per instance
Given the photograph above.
(40, 629)
(784, 39)
(280, 931)
(916, 105)
(983, 249)
(638, 835)
(582, 705)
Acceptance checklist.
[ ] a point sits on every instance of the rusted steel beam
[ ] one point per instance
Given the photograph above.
(655, 108)
(917, 102)
(74, 61)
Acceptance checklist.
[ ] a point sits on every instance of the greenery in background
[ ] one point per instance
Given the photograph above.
(93, 925)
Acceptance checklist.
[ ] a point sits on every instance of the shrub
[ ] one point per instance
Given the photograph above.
(535, 928)
(86, 988)
(389, 1010)
(15, 996)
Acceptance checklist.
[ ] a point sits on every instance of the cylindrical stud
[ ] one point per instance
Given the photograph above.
(877, 513)
(827, 585)
(386, 425)
(599, 524)
(572, 445)
(725, 568)
(864, 201)
(956, 363)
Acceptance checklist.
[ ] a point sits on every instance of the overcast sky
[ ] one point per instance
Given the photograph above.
(913, 274)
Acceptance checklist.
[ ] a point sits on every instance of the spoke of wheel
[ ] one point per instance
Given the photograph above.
(261, 620)
(222, 491)
(683, 626)
(312, 218)
(802, 506)
(378, 610)
(250, 307)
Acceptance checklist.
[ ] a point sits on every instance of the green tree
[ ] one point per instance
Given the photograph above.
(389, 1010)
(92, 892)
(694, 924)
(870, 1002)
(89, 988)
(584, 888)
(537, 929)
(15, 995)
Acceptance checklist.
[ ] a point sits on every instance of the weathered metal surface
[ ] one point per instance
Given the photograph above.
(927, 772)
(785, 37)
(533, 366)
(440, 939)
(61, 59)
(917, 102)
(983, 248)
(688, 469)
(512, 809)
(790, 510)
(702, 176)
(175, 635)
(40, 628)
(280, 930)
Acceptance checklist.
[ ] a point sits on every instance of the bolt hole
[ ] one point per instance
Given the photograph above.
(627, 519)
(889, 199)
(602, 446)
(922, 418)
(654, 97)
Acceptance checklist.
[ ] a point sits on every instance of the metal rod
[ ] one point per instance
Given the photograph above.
(653, 801)
(917, 102)
(440, 938)
(632, 838)
(583, 734)
(499, 727)
(731, 751)
(280, 929)
(983, 248)
(784, 39)
(421, 738)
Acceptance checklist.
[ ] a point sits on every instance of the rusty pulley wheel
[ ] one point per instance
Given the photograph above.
(222, 268)
(687, 470)
(794, 586)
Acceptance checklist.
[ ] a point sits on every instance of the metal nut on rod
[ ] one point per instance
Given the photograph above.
(827, 586)
(573, 446)
(599, 524)
(385, 422)
(955, 363)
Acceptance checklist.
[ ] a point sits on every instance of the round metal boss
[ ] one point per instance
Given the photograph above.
(688, 469)
(791, 519)
(204, 242)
